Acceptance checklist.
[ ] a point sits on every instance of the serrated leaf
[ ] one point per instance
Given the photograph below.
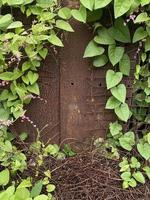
(104, 37)
(115, 54)
(64, 25)
(112, 103)
(125, 65)
(139, 177)
(119, 92)
(139, 34)
(121, 7)
(123, 112)
(127, 141)
(113, 78)
(100, 61)
(93, 50)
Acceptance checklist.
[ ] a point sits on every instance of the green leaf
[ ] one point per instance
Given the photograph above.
(115, 128)
(4, 114)
(144, 150)
(34, 88)
(104, 37)
(5, 21)
(112, 103)
(41, 197)
(100, 61)
(121, 7)
(123, 112)
(125, 65)
(132, 183)
(43, 52)
(135, 163)
(127, 141)
(139, 177)
(37, 188)
(120, 32)
(101, 4)
(15, 3)
(4, 177)
(53, 39)
(16, 24)
(50, 188)
(119, 92)
(144, 2)
(147, 171)
(113, 78)
(64, 13)
(126, 176)
(64, 25)
(93, 50)
(147, 44)
(25, 183)
(115, 54)
(22, 194)
(7, 76)
(32, 77)
(142, 17)
(80, 14)
(89, 4)
(139, 34)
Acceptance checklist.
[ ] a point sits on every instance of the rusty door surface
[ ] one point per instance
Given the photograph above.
(75, 93)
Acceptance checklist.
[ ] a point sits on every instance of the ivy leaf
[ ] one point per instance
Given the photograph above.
(101, 4)
(16, 24)
(147, 171)
(64, 25)
(115, 128)
(4, 177)
(104, 37)
(80, 14)
(7, 76)
(115, 54)
(53, 39)
(121, 7)
(34, 88)
(93, 50)
(145, 2)
(100, 61)
(123, 112)
(112, 103)
(132, 182)
(25, 183)
(119, 92)
(32, 77)
(127, 141)
(5, 21)
(126, 176)
(139, 34)
(147, 44)
(125, 65)
(89, 4)
(64, 13)
(144, 150)
(113, 78)
(22, 193)
(139, 177)
(142, 17)
(37, 188)
(50, 187)
(120, 32)
(4, 114)
(43, 52)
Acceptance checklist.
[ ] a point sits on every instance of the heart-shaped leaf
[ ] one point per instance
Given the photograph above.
(123, 112)
(121, 7)
(80, 14)
(139, 34)
(93, 50)
(89, 4)
(113, 78)
(100, 61)
(139, 177)
(119, 92)
(32, 77)
(115, 54)
(144, 150)
(112, 103)
(127, 140)
(101, 4)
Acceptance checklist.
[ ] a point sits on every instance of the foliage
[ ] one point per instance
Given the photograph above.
(128, 22)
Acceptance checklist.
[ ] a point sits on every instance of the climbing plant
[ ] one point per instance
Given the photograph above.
(118, 24)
